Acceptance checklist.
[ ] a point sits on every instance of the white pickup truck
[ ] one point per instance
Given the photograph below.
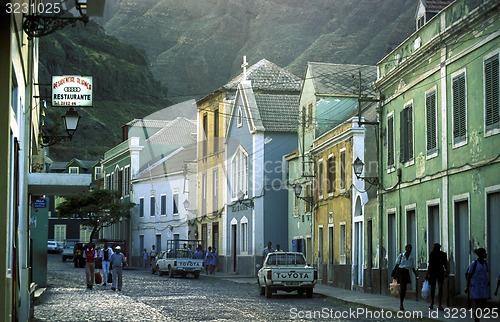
(286, 271)
(180, 260)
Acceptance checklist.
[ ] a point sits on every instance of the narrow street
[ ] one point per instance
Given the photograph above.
(147, 297)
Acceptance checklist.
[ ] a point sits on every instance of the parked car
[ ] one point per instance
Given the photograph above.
(154, 263)
(67, 253)
(53, 247)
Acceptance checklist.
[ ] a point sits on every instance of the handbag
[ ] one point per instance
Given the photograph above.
(395, 271)
(426, 289)
(394, 288)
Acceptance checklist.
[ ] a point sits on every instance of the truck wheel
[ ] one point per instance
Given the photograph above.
(197, 274)
(300, 292)
(262, 290)
(309, 293)
(268, 292)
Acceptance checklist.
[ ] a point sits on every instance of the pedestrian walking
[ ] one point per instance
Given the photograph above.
(90, 255)
(267, 250)
(145, 258)
(215, 260)
(437, 272)
(106, 253)
(117, 264)
(406, 263)
(208, 260)
(152, 254)
(478, 282)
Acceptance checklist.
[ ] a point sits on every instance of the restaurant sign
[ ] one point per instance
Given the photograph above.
(72, 91)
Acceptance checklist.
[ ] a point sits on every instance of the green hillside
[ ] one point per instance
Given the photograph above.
(196, 46)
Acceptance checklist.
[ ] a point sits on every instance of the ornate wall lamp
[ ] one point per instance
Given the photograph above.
(48, 17)
(358, 166)
(71, 119)
(298, 190)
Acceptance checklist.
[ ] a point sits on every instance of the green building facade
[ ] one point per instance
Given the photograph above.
(440, 179)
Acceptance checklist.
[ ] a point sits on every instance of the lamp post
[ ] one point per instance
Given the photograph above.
(41, 24)
(298, 190)
(71, 120)
(358, 166)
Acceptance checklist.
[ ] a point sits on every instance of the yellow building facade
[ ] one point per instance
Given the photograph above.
(333, 225)
(211, 177)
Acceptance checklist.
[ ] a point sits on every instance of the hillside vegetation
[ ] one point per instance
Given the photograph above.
(192, 47)
(196, 46)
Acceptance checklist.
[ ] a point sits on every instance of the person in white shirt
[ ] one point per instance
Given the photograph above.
(406, 263)
(105, 254)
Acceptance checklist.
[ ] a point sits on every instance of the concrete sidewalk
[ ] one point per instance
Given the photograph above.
(378, 301)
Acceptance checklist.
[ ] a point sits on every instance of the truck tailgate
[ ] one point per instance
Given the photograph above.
(299, 274)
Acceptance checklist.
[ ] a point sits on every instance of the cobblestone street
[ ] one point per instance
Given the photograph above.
(147, 297)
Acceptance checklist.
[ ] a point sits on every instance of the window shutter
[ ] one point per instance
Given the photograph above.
(390, 141)
(409, 111)
(403, 138)
(430, 105)
(459, 109)
(492, 93)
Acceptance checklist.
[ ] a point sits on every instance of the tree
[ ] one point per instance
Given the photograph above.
(97, 208)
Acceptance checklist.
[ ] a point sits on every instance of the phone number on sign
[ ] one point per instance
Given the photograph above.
(463, 313)
(34, 8)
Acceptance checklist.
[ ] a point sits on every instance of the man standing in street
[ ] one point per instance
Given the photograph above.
(437, 272)
(267, 250)
(152, 254)
(90, 255)
(106, 253)
(117, 264)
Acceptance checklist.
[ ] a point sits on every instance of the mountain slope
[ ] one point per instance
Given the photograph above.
(196, 46)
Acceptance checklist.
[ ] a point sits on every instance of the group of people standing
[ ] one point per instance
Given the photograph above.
(148, 257)
(269, 249)
(111, 262)
(211, 259)
(477, 277)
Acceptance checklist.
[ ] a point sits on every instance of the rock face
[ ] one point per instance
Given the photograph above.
(196, 46)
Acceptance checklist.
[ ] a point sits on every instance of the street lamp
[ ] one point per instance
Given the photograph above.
(298, 190)
(242, 200)
(71, 119)
(358, 166)
(40, 24)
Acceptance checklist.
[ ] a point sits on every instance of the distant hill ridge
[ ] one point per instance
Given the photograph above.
(193, 47)
(196, 46)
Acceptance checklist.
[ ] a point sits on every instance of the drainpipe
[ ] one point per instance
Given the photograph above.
(380, 209)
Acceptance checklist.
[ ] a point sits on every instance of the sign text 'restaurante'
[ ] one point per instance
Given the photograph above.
(72, 91)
